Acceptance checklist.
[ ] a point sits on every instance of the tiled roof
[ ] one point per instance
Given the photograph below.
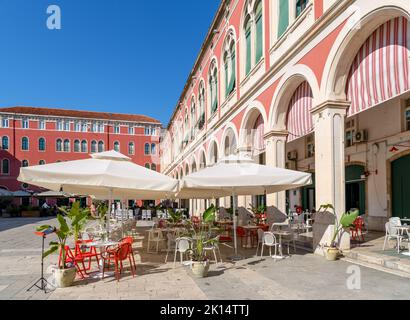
(79, 114)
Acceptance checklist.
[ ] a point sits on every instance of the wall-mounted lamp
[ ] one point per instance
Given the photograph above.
(394, 149)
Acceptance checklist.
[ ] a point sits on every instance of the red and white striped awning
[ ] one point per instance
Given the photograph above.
(380, 70)
(299, 118)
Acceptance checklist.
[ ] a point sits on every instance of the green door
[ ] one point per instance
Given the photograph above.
(309, 195)
(401, 187)
(355, 189)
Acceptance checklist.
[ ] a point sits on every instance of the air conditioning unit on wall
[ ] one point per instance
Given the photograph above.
(361, 136)
(292, 155)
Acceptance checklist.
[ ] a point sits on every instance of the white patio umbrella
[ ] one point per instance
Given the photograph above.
(108, 175)
(237, 175)
(5, 193)
(105, 175)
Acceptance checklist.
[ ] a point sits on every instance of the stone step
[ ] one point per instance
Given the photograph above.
(388, 264)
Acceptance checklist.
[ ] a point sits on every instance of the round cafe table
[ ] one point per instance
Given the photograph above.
(249, 230)
(102, 246)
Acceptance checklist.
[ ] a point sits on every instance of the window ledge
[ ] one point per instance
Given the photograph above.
(253, 71)
(292, 27)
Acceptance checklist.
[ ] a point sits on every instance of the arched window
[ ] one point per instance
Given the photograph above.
(248, 40)
(147, 165)
(193, 112)
(42, 144)
(154, 167)
(5, 143)
(84, 146)
(59, 145)
(93, 146)
(66, 145)
(77, 146)
(146, 149)
(253, 34)
(153, 148)
(101, 147)
(24, 163)
(131, 148)
(5, 166)
(229, 65)
(259, 31)
(213, 87)
(117, 146)
(41, 162)
(24, 144)
(201, 106)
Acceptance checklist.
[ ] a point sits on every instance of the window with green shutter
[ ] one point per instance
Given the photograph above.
(283, 16)
(259, 32)
(233, 73)
(300, 6)
(227, 80)
(248, 35)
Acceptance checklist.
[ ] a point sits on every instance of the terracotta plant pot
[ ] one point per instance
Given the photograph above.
(64, 277)
(200, 269)
(332, 254)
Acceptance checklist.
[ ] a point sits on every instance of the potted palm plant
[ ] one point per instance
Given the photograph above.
(65, 273)
(199, 260)
(259, 213)
(346, 221)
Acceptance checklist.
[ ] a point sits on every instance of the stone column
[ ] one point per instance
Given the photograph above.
(275, 142)
(329, 123)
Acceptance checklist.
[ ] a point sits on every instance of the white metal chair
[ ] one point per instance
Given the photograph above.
(182, 245)
(269, 240)
(214, 248)
(260, 240)
(149, 215)
(392, 234)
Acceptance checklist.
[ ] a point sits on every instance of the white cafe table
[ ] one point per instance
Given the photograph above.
(102, 246)
(281, 233)
(249, 229)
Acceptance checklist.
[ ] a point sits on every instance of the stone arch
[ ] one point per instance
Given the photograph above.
(348, 43)
(229, 140)
(213, 152)
(293, 78)
(252, 113)
(202, 160)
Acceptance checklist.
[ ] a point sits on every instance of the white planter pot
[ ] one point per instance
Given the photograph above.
(64, 277)
(200, 269)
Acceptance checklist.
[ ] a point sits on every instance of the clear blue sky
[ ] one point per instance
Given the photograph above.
(127, 56)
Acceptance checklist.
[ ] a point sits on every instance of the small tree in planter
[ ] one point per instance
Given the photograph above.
(346, 221)
(65, 274)
(259, 214)
(200, 262)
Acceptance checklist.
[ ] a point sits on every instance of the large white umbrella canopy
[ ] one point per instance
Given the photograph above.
(107, 175)
(240, 175)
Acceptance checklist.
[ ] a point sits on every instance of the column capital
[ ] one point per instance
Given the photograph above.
(276, 134)
(331, 104)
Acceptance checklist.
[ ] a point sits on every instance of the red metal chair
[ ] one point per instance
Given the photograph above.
(75, 259)
(117, 256)
(86, 253)
(241, 233)
(357, 229)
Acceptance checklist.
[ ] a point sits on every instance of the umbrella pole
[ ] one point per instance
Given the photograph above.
(109, 212)
(236, 257)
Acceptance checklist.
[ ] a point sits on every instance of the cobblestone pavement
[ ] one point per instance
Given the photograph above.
(303, 276)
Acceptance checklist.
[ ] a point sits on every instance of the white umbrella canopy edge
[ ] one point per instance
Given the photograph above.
(96, 175)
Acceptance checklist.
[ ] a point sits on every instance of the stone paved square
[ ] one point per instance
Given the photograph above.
(302, 276)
